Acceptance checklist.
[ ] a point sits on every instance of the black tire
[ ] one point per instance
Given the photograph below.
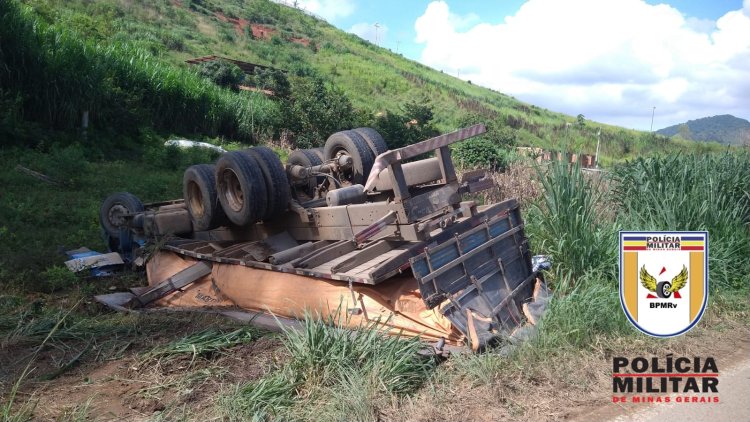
(112, 209)
(241, 188)
(374, 140)
(277, 184)
(661, 289)
(356, 147)
(201, 197)
(306, 158)
(319, 152)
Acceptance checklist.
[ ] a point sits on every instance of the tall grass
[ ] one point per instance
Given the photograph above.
(567, 224)
(678, 192)
(53, 76)
(203, 343)
(692, 192)
(362, 367)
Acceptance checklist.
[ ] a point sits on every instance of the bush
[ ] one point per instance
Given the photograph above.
(314, 111)
(480, 153)
(411, 124)
(222, 73)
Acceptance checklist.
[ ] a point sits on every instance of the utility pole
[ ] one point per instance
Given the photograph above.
(652, 118)
(376, 25)
(598, 139)
(398, 43)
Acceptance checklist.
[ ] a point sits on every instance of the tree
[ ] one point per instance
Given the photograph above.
(581, 121)
(273, 80)
(479, 152)
(411, 124)
(223, 73)
(497, 132)
(314, 111)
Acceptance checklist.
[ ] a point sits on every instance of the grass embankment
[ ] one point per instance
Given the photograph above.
(373, 79)
(50, 75)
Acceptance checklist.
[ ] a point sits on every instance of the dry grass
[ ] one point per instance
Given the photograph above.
(518, 181)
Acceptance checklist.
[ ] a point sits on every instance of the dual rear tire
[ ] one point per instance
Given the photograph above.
(248, 186)
(202, 198)
(244, 187)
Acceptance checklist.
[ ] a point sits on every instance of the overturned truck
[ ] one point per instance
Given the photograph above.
(352, 228)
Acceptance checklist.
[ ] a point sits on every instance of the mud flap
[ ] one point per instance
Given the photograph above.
(480, 278)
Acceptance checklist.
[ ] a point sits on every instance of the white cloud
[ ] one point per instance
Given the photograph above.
(330, 10)
(611, 61)
(367, 31)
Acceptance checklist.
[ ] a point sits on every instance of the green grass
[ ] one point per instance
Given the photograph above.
(38, 221)
(203, 343)
(50, 75)
(691, 192)
(333, 373)
(568, 223)
(578, 217)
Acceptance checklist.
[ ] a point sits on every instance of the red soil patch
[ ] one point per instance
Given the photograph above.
(239, 23)
(262, 31)
(303, 41)
(259, 31)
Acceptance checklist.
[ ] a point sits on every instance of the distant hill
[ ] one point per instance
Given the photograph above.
(725, 129)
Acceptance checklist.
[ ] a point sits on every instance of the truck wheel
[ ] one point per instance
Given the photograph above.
(114, 207)
(241, 188)
(201, 198)
(277, 185)
(352, 144)
(319, 152)
(662, 289)
(306, 158)
(374, 140)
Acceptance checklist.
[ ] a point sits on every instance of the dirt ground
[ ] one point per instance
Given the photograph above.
(569, 387)
(133, 389)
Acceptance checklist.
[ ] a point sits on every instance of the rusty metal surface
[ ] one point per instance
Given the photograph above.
(416, 173)
(312, 261)
(480, 278)
(387, 158)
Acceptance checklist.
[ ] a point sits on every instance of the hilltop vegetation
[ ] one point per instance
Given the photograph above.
(125, 62)
(724, 129)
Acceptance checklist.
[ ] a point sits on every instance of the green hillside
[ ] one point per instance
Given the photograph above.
(724, 129)
(375, 81)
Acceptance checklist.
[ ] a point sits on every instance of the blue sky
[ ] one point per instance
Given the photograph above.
(610, 60)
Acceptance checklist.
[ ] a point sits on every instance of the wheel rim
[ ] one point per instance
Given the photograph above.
(347, 176)
(115, 214)
(665, 290)
(232, 190)
(195, 199)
